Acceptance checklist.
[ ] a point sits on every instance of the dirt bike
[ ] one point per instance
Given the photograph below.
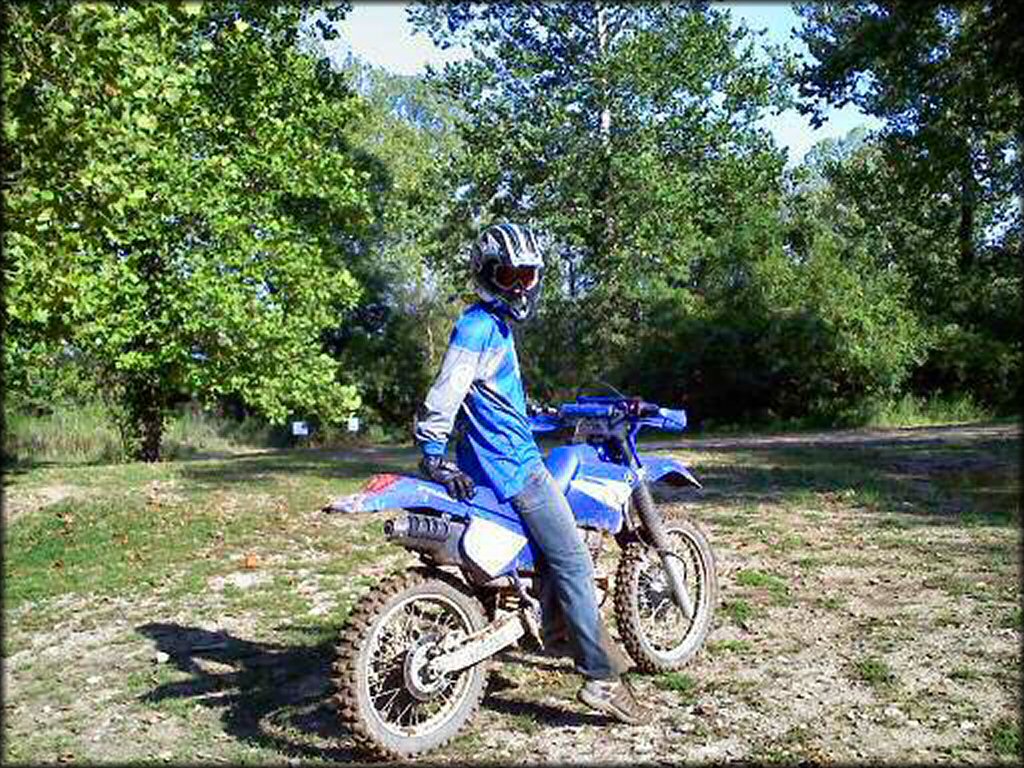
(412, 660)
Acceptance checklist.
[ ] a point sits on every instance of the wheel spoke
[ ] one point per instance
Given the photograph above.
(412, 627)
(663, 625)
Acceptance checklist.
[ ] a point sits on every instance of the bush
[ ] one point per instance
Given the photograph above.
(911, 411)
(71, 433)
(812, 339)
(963, 359)
(67, 433)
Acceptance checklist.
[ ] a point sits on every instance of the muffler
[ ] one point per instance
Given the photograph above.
(433, 536)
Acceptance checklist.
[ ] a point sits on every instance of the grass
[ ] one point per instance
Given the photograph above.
(875, 671)
(1005, 737)
(105, 546)
(82, 433)
(791, 748)
(739, 610)
(905, 411)
(730, 646)
(910, 411)
(86, 434)
(965, 673)
(775, 585)
(126, 537)
(831, 602)
(678, 682)
(755, 578)
(525, 722)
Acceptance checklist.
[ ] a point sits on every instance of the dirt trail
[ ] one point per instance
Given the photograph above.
(939, 435)
(869, 611)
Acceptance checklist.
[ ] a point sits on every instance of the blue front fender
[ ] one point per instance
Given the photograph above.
(668, 470)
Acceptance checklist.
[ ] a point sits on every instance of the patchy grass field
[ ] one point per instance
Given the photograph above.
(186, 612)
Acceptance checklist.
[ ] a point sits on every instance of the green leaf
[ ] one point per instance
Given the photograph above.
(146, 121)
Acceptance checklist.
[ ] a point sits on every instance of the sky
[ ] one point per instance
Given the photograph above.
(378, 32)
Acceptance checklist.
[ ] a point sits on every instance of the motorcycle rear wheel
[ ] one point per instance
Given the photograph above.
(657, 635)
(383, 695)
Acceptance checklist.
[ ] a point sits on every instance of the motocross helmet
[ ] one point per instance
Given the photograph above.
(508, 267)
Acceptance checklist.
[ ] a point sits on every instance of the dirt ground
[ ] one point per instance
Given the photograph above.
(857, 622)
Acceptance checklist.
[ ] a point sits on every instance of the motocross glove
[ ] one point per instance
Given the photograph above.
(456, 482)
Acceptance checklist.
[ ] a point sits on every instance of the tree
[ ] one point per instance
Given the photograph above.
(398, 332)
(945, 78)
(627, 132)
(941, 185)
(795, 319)
(177, 190)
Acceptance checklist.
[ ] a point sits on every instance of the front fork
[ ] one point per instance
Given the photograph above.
(652, 524)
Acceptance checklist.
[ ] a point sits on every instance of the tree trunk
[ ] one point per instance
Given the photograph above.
(146, 391)
(965, 235)
(146, 414)
(606, 131)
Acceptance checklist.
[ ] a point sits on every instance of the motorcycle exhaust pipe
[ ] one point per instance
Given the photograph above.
(428, 534)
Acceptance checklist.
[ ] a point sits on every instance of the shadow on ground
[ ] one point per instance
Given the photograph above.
(937, 474)
(927, 478)
(278, 697)
(508, 698)
(264, 690)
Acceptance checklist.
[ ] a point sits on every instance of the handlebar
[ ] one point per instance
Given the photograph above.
(635, 411)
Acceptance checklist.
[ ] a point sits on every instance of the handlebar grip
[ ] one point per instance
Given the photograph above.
(586, 410)
(673, 419)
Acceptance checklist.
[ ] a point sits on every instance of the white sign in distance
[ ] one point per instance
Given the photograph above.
(300, 429)
(353, 423)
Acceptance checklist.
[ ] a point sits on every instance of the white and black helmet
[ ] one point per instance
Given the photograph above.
(508, 267)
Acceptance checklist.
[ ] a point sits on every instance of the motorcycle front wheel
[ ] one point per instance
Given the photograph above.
(656, 633)
(385, 694)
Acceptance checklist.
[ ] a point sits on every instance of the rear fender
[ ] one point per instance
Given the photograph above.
(495, 539)
(401, 492)
(668, 470)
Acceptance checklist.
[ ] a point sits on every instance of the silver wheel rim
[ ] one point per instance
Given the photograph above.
(663, 627)
(394, 706)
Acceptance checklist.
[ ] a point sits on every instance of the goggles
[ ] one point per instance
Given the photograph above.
(508, 278)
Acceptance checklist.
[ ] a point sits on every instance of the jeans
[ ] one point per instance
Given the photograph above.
(568, 568)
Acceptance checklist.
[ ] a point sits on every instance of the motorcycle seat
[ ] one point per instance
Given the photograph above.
(562, 463)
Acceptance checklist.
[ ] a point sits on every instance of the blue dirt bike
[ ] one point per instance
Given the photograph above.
(411, 666)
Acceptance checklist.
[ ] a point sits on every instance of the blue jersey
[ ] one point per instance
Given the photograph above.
(479, 384)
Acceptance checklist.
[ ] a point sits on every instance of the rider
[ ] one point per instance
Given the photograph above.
(480, 383)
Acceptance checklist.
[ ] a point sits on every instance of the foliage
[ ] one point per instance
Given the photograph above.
(626, 132)
(911, 411)
(934, 73)
(793, 321)
(71, 433)
(970, 315)
(398, 331)
(942, 183)
(177, 184)
(198, 204)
